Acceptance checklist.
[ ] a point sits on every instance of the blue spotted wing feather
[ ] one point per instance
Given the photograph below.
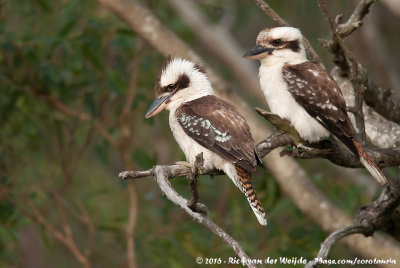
(217, 126)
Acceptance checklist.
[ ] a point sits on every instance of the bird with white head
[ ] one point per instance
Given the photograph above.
(303, 93)
(203, 123)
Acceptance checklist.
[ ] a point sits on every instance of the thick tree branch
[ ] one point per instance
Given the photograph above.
(331, 241)
(379, 215)
(325, 149)
(382, 100)
(380, 131)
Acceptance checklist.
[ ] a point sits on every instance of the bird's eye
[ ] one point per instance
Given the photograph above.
(170, 87)
(277, 42)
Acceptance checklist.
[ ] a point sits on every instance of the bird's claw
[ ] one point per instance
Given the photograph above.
(198, 169)
(300, 147)
(184, 163)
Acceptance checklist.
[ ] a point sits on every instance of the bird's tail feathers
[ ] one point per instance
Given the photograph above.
(251, 195)
(367, 162)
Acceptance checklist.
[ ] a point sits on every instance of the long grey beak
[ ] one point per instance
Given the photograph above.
(157, 106)
(258, 52)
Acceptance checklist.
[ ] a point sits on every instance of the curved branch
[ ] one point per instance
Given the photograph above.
(161, 176)
(356, 18)
(331, 240)
(381, 214)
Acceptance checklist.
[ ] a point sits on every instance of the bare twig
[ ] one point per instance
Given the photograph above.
(382, 100)
(356, 18)
(65, 238)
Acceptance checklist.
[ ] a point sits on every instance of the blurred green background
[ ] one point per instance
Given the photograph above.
(69, 55)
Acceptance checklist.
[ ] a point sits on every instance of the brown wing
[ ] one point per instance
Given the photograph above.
(319, 94)
(216, 125)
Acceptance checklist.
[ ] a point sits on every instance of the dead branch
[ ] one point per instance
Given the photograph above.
(161, 176)
(64, 238)
(378, 215)
(331, 240)
(192, 177)
(355, 20)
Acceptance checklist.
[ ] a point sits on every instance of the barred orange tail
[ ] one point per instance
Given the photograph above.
(369, 164)
(251, 195)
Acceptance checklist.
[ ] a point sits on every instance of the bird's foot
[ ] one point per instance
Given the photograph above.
(184, 163)
(303, 148)
(197, 169)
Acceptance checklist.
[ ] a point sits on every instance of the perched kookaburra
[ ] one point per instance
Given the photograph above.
(303, 93)
(204, 123)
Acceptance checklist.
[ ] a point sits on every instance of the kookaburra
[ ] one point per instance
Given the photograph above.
(303, 93)
(203, 123)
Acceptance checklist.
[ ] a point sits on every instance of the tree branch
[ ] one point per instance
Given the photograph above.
(161, 176)
(351, 65)
(381, 214)
(192, 177)
(331, 241)
(380, 132)
(64, 237)
(325, 149)
(356, 18)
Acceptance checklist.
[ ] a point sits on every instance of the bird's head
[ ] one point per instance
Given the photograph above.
(179, 81)
(278, 44)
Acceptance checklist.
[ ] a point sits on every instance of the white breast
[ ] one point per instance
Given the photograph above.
(281, 102)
